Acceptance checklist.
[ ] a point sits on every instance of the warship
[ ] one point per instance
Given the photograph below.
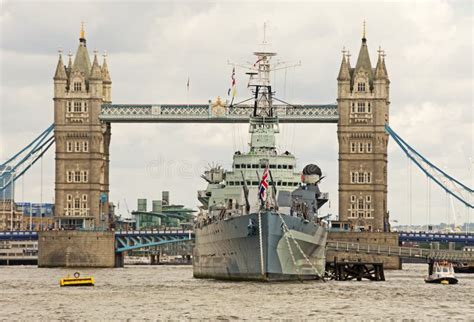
(259, 221)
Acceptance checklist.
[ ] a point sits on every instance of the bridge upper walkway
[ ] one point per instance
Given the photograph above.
(207, 113)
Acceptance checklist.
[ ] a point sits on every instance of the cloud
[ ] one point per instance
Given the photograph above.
(154, 48)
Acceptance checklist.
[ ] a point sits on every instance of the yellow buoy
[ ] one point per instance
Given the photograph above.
(77, 280)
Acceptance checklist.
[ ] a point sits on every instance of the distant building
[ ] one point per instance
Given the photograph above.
(7, 186)
(10, 217)
(36, 216)
(163, 214)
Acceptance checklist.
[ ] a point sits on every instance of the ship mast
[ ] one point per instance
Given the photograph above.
(260, 80)
(264, 118)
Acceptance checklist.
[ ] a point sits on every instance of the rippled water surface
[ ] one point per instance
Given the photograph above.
(170, 292)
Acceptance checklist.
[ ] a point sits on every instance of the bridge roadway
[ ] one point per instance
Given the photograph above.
(463, 238)
(210, 113)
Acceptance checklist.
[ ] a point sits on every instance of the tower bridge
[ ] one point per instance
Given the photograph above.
(84, 112)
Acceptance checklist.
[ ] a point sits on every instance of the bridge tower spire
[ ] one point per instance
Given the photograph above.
(363, 106)
(82, 141)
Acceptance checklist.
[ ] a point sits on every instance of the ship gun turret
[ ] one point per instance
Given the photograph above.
(307, 198)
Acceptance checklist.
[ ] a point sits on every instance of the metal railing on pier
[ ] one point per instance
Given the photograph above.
(406, 252)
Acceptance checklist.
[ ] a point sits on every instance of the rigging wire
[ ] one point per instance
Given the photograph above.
(285, 132)
(447, 213)
(23, 189)
(41, 193)
(410, 192)
(429, 202)
(293, 126)
(233, 137)
(407, 211)
(468, 218)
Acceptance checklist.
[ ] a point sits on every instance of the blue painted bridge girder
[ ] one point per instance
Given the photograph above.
(130, 240)
(464, 238)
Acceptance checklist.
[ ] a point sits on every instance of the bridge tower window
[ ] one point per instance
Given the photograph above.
(77, 86)
(77, 106)
(70, 176)
(361, 87)
(355, 177)
(353, 147)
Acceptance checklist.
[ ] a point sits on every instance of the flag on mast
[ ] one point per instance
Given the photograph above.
(187, 84)
(263, 186)
(232, 84)
(232, 88)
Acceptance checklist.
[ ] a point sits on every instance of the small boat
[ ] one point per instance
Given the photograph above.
(77, 280)
(441, 273)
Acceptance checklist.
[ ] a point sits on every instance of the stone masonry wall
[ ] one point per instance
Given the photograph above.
(76, 249)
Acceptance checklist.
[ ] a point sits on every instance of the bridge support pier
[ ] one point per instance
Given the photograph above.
(119, 260)
(154, 259)
(452, 246)
(434, 245)
(72, 248)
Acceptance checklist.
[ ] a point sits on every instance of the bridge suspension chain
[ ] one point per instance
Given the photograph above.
(452, 186)
(22, 161)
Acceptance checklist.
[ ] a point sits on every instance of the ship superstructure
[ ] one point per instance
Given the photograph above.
(240, 234)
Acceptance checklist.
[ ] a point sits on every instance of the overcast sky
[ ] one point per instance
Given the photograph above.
(154, 47)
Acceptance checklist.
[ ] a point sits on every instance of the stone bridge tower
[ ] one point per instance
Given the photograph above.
(82, 141)
(363, 105)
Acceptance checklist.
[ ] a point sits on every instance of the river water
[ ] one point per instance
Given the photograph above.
(170, 292)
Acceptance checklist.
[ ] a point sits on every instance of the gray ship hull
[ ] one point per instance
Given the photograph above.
(230, 249)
